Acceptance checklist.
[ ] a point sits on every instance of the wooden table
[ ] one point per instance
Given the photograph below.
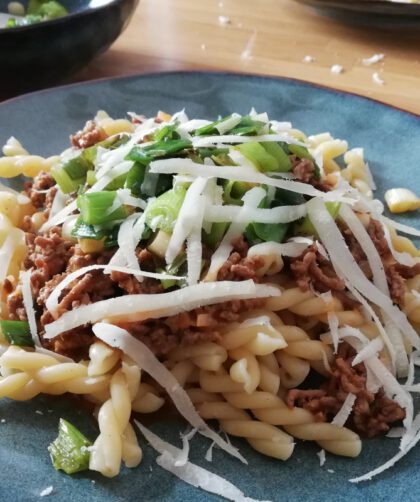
(269, 37)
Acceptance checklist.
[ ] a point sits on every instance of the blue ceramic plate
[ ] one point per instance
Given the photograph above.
(43, 121)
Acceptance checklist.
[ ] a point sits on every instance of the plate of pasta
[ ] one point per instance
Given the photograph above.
(203, 294)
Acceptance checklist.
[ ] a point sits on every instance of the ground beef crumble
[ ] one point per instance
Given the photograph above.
(396, 275)
(312, 269)
(88, 136)
(304, 170)
(163, 335)
(41, 191)
(372, 414)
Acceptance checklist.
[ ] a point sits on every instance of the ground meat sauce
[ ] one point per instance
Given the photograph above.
(305, 171)
(372, 414)
(312, 269)
(396, 275)
(164, 335)
(89, 136)
(41, 191)
(239, 269)
(376, 233)
(15, 306)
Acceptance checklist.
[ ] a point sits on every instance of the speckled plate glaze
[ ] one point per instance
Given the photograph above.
(43, 121)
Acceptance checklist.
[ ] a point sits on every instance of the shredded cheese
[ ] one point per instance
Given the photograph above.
(132, 308)
(345, 411)
(25, 278)
(240, 173)
(191, 473)
(182, 458)
(187, 218)
(373, 59)
(322, 459)
(238, 214)
(52, 301)
(369, 350)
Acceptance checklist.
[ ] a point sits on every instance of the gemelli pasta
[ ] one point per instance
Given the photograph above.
(219, 267)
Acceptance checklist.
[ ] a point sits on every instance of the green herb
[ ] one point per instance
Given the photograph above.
(135, 178)
(96, 208)
(63, 180)
(11, 23)
(284, 197)
(233, 191)
(91, 178)
(77, 167)
(48, 9)
(72, 174)
(159, 182)
(52, 10)
(173, 269)
(211, 152)
(167, 132)
(143, 183)
(264, 232)
(217, 232)
(117, 183)
(165, 209)
(259, 156)
(70, 451)
(83, 231)
(283, 162)
(146, 154)
(248, 127)
(222, 159)
(17, 333)
(210, 129)
(37, 11)
(300, 151)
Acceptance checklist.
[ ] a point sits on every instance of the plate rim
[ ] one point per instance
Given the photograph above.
(249, 75)
(391, 8)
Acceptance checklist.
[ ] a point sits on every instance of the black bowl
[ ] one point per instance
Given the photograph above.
(42, 54)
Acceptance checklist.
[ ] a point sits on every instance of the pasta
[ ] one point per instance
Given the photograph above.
(206, 245)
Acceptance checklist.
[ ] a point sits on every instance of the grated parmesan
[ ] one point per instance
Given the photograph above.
(373, 59)
(191, 473)
(47, 491)
(336, 69)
